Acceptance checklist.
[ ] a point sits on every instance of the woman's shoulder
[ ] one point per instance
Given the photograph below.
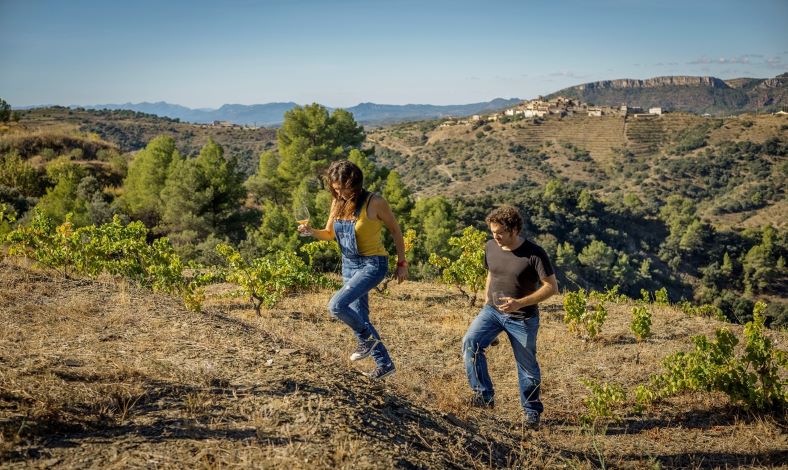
(376, 204)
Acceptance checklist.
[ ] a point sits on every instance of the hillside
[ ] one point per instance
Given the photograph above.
(100, 374)
(688, 94)
(129, 131)
(610, 154)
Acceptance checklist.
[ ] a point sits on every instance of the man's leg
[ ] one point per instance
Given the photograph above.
(522, 335)
(483, 330)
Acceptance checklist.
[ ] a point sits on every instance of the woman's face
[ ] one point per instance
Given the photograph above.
(343, 193)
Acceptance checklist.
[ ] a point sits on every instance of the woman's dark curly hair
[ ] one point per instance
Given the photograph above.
(506, 216)
(348, 175)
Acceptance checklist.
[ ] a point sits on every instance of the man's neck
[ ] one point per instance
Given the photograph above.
(515, 245)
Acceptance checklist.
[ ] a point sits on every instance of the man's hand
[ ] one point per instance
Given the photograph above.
(509, 305)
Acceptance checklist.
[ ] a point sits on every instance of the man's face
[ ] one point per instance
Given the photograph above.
(503, 237)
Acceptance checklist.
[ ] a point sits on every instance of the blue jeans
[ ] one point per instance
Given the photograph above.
(351, 303)
(522, 335)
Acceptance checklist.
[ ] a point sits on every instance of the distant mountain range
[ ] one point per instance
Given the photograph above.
(672, 93)
(271, 114)
(683, 93)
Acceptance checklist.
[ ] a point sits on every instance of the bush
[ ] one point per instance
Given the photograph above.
(603, 403)
(641, 322)
(580, 317)
(752, 378)
(267, 280)
(466, 272)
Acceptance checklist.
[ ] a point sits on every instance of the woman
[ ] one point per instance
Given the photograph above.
(355, 221)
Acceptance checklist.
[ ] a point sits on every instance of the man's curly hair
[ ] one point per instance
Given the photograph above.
(506, 216)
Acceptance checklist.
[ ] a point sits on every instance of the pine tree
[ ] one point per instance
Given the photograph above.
(146, 178)
(203, 195)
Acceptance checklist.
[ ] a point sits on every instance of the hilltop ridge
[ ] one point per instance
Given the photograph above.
(695, 94)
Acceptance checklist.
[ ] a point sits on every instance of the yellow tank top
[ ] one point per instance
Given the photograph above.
(369, 239)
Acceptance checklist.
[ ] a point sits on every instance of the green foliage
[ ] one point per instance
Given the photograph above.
(575, 309)
(398, 196)
(661, 297)
(641, 322)
(752, 378)
(466, 272)
(146, 178)
(18, 174)
(54, 246)
(582, 317)
(409, 238)
(704, 310)
(433, 219)
(113, 248)
(310, 139)
(603, 404)
(610, 294)
(266, 185)
(322, 255)
(5, 111)
(203, 195)
(762, 264)
(277, 232)
(692, 138)
(7, 217)
(269, 279)
(63, 198)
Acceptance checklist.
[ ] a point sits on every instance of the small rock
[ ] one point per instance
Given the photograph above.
(269, 362)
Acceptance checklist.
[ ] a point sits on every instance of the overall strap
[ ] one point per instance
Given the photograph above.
(362, 199)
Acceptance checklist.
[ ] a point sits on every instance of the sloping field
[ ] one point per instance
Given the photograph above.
(103, 375)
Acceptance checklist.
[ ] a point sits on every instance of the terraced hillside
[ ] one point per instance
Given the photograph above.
(610, 152)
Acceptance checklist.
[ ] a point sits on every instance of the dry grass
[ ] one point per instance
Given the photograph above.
(99, 374)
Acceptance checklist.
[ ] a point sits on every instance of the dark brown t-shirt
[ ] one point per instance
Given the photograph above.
(516, 273)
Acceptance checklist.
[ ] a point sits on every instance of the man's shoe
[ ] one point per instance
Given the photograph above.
(531, 420)
(364, 348)
(478, 401)
(381, 372)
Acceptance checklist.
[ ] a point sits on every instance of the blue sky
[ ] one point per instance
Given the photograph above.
(343, 52)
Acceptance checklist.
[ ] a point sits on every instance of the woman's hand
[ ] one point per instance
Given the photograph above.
(305, 230)
(402, 273)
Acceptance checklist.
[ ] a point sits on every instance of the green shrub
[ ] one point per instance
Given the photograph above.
(641, 322)
(752, 378)
(603, 404)
(582, 318)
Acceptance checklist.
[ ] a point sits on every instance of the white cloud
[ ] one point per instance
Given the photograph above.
(567, 74)
(744, 59)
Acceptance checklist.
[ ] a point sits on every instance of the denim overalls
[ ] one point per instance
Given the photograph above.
(359, 275)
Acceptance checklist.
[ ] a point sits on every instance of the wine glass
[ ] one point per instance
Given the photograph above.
(499, 298)
(301, 214)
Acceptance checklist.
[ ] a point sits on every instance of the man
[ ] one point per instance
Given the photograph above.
(519, 277)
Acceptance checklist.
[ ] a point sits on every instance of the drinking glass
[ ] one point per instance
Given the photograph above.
(499, 298)
(301, 214)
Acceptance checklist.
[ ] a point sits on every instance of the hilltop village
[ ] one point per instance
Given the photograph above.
(560, 106)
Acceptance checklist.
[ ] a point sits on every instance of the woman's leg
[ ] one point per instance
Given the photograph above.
(351, 303)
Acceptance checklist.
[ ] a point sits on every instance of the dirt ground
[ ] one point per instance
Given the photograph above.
(99, 374)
